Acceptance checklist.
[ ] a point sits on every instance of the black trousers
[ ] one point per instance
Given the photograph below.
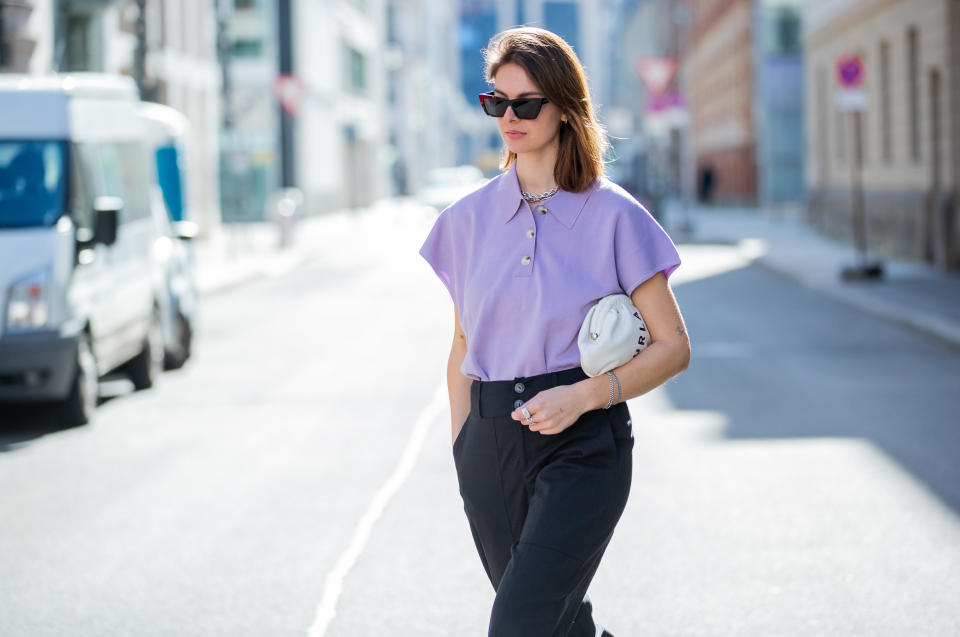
(542, 508)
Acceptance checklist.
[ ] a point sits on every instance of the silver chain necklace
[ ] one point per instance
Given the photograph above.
(535, 198)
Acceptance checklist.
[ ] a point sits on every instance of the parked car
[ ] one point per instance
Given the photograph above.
(166, 131)
(78, 284)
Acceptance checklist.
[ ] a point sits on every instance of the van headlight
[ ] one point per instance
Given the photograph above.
(27, 302)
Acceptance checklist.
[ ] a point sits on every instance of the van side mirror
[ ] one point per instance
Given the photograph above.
(106, 213)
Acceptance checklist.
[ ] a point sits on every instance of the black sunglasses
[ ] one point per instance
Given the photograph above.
(524, 107)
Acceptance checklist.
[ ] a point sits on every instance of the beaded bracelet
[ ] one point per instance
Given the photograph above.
(612, 377)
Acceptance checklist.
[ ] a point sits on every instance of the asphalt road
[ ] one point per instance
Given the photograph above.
(800, 478)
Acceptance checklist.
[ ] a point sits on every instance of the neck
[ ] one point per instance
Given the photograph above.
(535, 170)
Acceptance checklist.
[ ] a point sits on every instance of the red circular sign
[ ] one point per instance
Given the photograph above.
(850, 71)
(290, 91)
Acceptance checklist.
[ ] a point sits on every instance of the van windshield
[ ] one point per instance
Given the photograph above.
(32, 183)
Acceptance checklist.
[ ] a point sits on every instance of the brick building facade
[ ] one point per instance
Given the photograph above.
(719, 68)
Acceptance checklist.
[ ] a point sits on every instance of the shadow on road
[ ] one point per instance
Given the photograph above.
(780, 361)
(25, 422)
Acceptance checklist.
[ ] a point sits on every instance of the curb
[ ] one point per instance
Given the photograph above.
(926, 323)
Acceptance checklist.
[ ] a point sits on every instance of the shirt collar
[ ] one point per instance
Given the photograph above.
(564, 205)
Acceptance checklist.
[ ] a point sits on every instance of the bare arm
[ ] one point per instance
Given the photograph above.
(667, 355)
(458, 385)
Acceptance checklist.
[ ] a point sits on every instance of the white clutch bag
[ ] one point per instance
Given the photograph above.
(612, 333)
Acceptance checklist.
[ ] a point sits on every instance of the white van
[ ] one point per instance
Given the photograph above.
(167, 131)
(78, 286)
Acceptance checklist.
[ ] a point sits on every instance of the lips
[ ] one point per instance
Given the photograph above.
(514, 134)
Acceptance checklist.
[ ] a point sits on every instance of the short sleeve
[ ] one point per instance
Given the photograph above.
(439, 251)
(642, 248)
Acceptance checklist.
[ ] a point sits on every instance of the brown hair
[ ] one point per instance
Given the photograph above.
(553, 66)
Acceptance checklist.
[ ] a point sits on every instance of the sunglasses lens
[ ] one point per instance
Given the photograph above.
(526, 109)
(493, 106)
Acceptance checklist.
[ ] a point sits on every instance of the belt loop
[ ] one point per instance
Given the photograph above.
(477, 389)
(555, 379)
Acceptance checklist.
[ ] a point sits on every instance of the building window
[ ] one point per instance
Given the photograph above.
(823, 135)
(81, 38)
(935, 130)
(841, 136)
(248, 48)
(886, 147)
(393, 33)
(913, 95)
(393, 87)
(784, 32)
(356, 70)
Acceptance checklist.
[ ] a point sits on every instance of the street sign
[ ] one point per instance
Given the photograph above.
(850, 71)
(850, 76)
(290, 92)
(851, 100)
(665, 112)
(656, 73)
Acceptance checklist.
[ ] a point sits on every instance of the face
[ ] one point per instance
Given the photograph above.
(525, 135)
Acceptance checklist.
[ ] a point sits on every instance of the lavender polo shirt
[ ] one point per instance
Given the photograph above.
(523, 281)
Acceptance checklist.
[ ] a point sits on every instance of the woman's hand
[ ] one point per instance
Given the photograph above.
(552, 410)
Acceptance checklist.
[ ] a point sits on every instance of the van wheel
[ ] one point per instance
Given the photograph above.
(146, 367)
(77, 408)
(175, 359)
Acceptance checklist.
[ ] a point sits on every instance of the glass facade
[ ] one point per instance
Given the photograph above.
(563, 19)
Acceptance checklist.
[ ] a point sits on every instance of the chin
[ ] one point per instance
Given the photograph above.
(515, 147)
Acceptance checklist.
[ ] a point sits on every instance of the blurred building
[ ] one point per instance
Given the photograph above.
(249, 169)
(778, 101)
(20, 33)
(745, 85)
(426, 110)
(720, 67)
(169, 49)
(341, 127)
(909, 130)
(648, 140)
(180, 69)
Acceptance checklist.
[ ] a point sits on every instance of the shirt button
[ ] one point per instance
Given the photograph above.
(517, 404)
(525, 260)
(530, 233)
(519, 387)
(542, 210)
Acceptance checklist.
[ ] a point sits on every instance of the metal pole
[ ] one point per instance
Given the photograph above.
(3, 39)
(285, 49)
(140, 52)
(859, 229)
(224, 53)
(864, 269)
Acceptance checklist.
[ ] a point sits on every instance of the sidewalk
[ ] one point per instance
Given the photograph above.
(243, 252)
(911, 293)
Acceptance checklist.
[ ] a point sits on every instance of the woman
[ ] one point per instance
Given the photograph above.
(542, 451)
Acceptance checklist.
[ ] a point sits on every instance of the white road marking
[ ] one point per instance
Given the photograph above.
(327, 609)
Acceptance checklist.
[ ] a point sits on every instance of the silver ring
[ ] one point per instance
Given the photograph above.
(526, 413)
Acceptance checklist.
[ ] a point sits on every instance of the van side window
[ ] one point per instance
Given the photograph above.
(82, 185)
(125, 175)
(136, 180)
